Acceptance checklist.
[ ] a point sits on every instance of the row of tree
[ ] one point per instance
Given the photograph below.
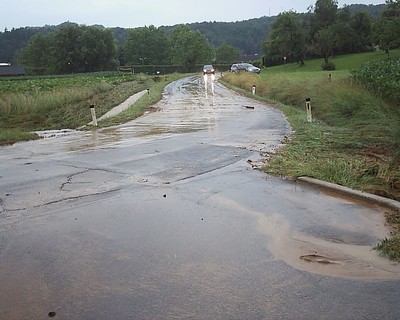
(247, 36)
(71, 49)
(76, 48)
(325, 31)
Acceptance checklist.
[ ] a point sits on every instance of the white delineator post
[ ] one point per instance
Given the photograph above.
(93, 111)
(308, 107)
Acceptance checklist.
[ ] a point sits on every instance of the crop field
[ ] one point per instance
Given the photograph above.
(50, 83)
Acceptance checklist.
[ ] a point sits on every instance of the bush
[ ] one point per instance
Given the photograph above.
(328, 66)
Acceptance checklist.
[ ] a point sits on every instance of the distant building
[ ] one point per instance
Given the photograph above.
(7, 70)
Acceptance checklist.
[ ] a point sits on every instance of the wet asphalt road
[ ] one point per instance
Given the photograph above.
(165, 218)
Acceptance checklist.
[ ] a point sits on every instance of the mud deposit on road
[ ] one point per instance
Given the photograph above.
(339, 245)
(165, 218)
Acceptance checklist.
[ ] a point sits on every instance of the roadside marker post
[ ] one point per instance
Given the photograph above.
(308, 107)
(93, 111)
(253, 89)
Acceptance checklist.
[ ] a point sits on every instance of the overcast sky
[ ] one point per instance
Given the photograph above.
(139, 13)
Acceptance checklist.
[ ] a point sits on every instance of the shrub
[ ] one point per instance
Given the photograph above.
(328, 66)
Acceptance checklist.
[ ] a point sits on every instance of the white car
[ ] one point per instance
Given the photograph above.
(237, 67)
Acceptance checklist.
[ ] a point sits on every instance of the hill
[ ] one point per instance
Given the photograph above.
(246, 35)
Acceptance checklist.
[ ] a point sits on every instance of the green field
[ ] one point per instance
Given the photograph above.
(342, 63)
(354, 139)
(32, 85)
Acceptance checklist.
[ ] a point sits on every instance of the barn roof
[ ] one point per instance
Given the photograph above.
(12, 71)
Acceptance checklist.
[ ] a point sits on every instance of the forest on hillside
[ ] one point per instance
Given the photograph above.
(246, 36)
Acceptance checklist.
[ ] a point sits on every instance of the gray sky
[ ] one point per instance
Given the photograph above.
(139, 13)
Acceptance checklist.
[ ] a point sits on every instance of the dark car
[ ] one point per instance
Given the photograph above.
(208, 69)
(237, 67)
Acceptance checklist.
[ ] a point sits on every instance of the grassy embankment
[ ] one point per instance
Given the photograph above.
(42, 103)
(354, 139)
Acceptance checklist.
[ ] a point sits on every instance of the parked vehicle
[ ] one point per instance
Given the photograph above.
(237, 67)
(208, 69)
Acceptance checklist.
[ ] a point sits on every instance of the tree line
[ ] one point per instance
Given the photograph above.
(321, 32)
(327, 30)
(80, 48)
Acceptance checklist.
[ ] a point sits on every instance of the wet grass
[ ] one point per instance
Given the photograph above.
(343, 62)
(390, 246)
(140, 106)
(11, 136)
(27, 105)
(354, 139)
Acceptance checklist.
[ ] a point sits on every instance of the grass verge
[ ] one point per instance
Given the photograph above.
(353, 140)
(10, 136)
(390, 246)
(140, 106)
(63, 103)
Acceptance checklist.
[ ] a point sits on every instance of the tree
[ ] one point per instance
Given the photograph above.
(226, 53)
(286, 39)
(98, 49)
(37, 54)
(13, 41)
(83, 49)
(67, 54)
(342, 36)
(188, 47)
(71, 49)
(326, 41)
(387, 28)
(325, 13)
(146, 45)
(361, 23)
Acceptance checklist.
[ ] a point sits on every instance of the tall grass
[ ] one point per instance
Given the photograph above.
(48, 110)
(10, 136)
(354, 139)
(64, 102)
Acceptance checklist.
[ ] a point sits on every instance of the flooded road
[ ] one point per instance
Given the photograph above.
(165, 218)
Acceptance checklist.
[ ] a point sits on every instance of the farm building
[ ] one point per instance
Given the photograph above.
(7, 70)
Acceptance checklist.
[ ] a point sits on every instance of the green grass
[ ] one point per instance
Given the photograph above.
(344, 62)
(10, 136)
(142, 104)
(390, 246)
(354, 139)
(40, 84)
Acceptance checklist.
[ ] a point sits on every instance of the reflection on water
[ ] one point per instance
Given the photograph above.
(209, 85)
(184, 108)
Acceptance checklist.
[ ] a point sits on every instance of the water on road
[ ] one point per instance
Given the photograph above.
(165, 218)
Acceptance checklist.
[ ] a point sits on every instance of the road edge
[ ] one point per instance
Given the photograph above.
(389, 203)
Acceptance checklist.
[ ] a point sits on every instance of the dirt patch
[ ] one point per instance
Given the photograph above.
(313, 254)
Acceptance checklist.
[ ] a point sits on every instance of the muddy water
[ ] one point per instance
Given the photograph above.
(165, 218)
